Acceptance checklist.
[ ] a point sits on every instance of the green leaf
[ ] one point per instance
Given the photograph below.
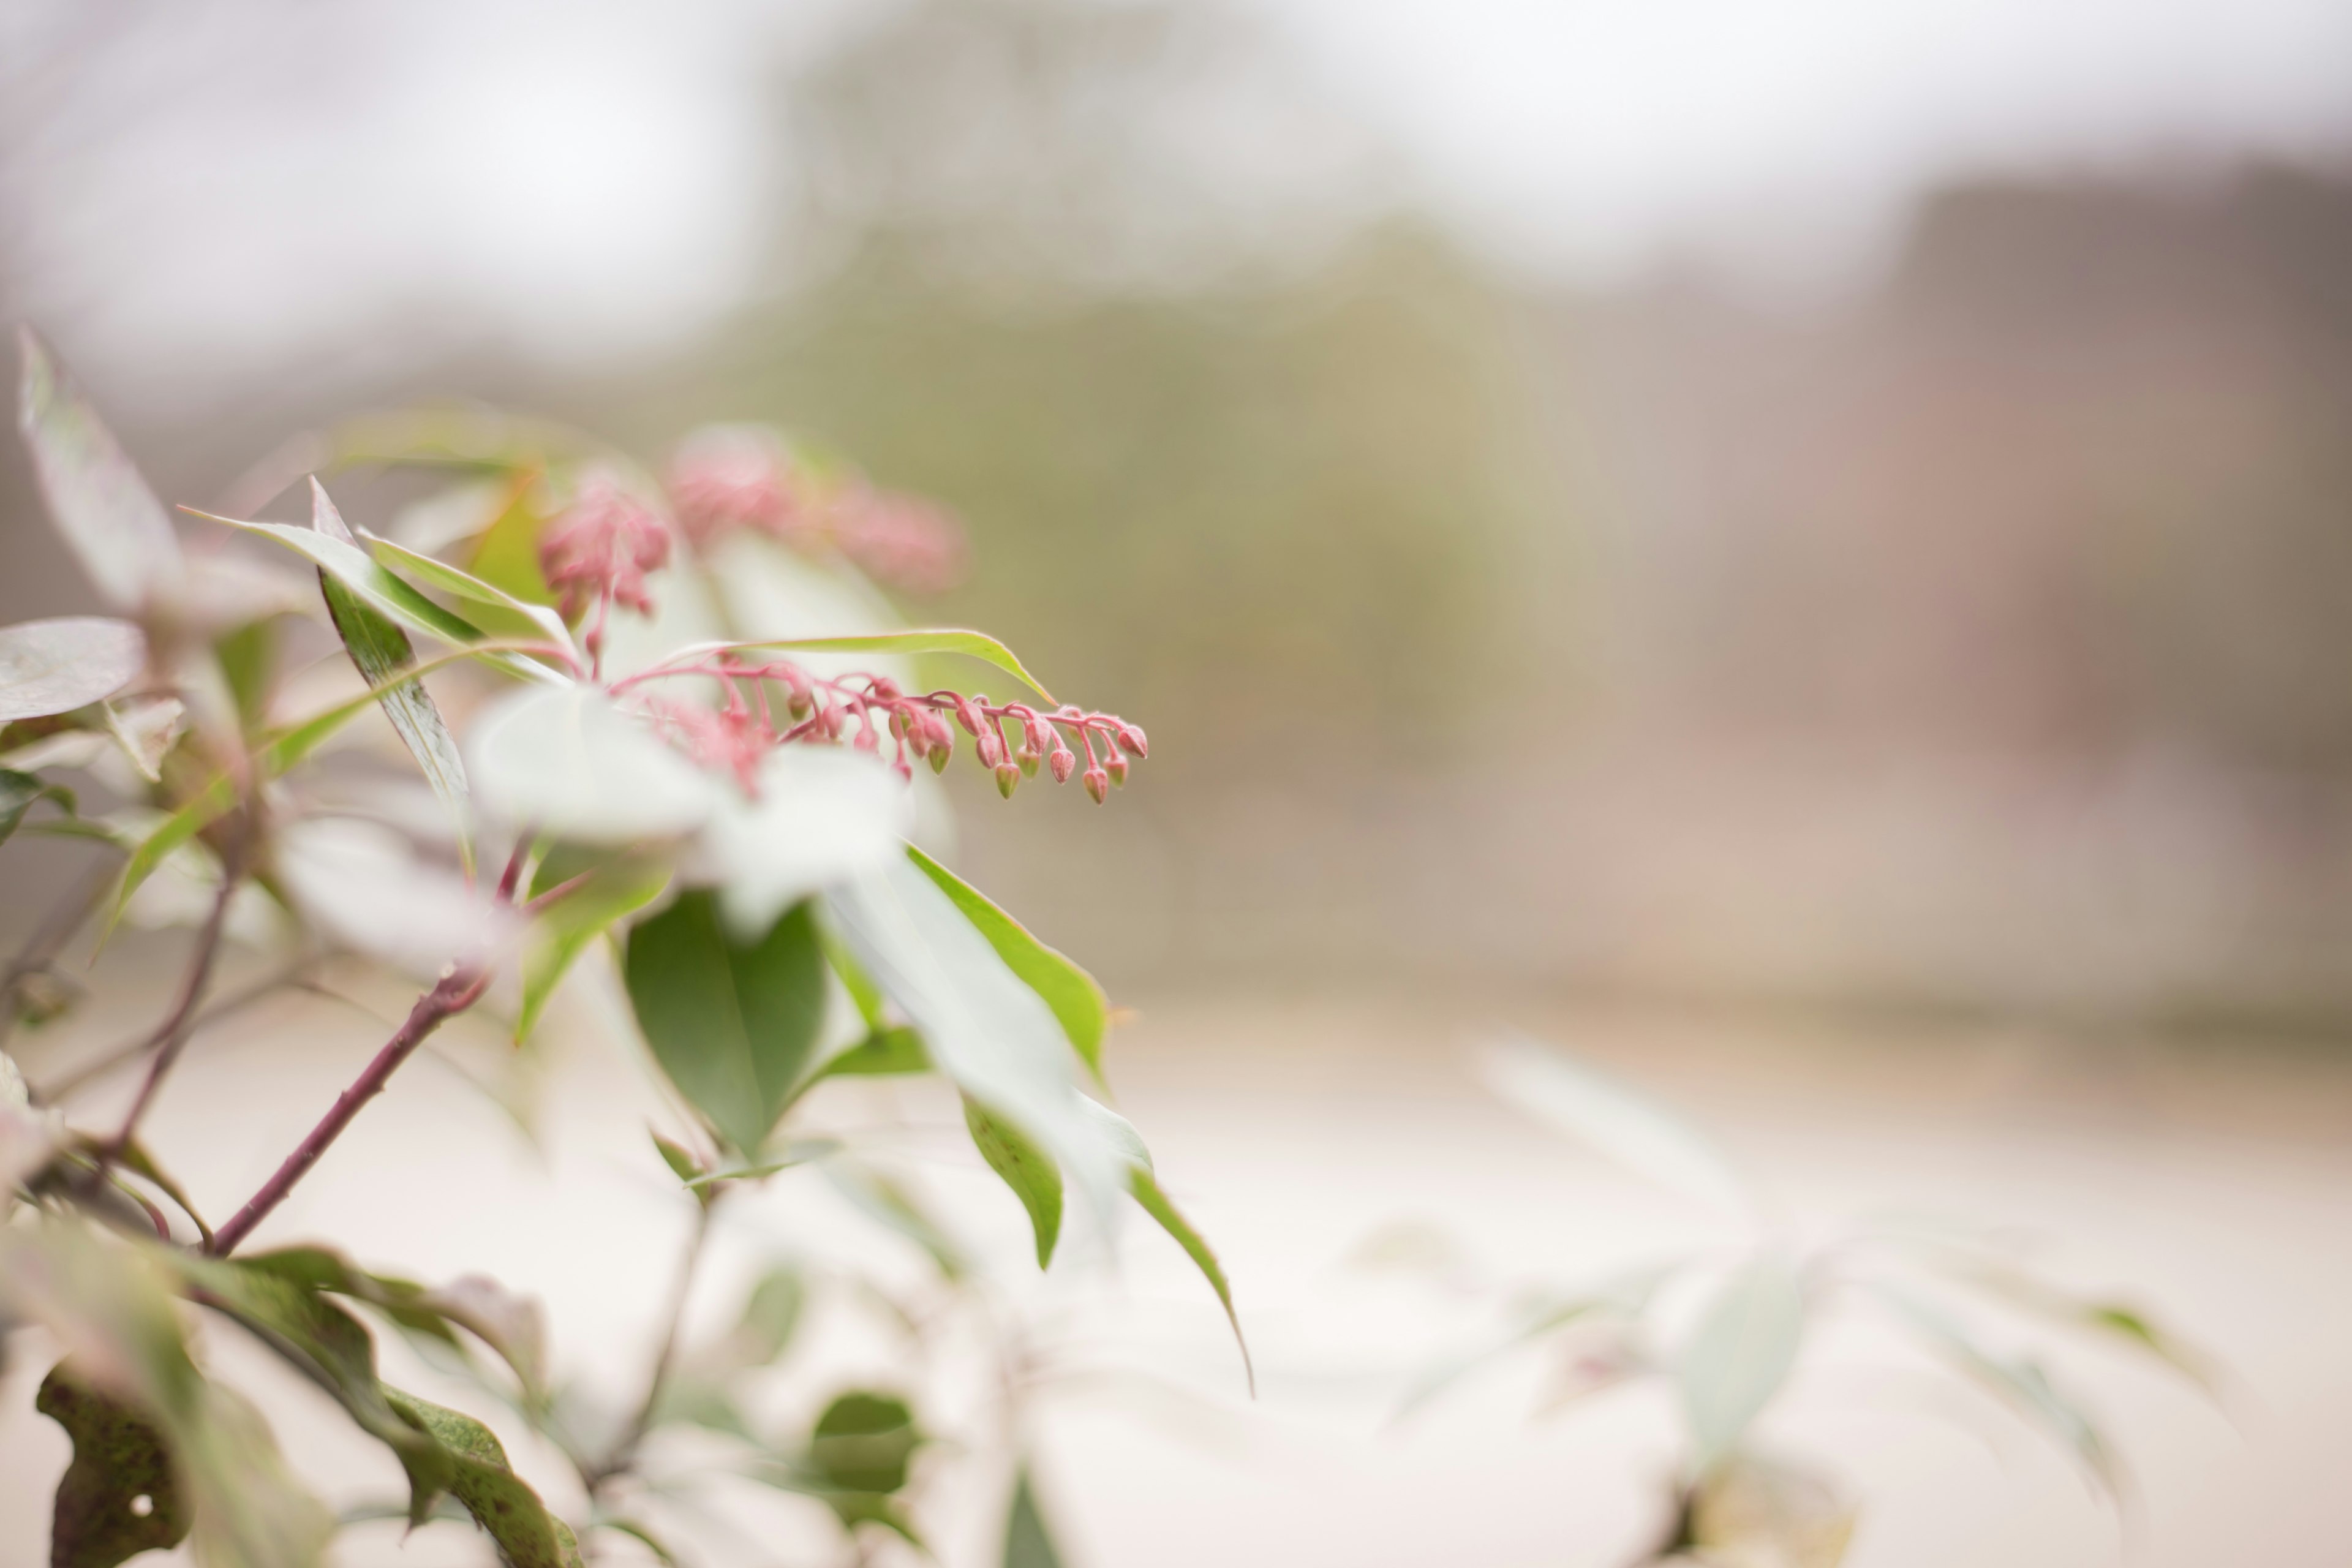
(1613, 1119)
(440, 574)
(1739, 1354)
(108, 516)
(1078, 1002)
(1146, 1187)
(615, 888)
(280, 1298)
(882, 1054)
(863, 1442)
(56, 666)
(2112, 1320)
(19, 792)
(733, 1026)
(927, 639)
(381, 591)
(985, 1029)
(894, 1205)
(1034, 1178)
(380, 651)
(120, 1495)
(772, 1314)
(682, 1164)
(1027, 1543)
(527, 1536)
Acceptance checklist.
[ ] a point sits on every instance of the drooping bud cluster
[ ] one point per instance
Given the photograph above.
(1012, 740)
(731, 476)
(598, 551)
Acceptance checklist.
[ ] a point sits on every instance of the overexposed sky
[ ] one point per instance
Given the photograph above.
(237, 180)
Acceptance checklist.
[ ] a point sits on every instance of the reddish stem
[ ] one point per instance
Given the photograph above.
(458, 990)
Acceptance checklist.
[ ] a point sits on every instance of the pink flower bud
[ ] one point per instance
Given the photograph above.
(1117, 768)
(1028, 757)
(883, 687)
(991, 748)
(1039, 733)
(1008, 778)
(1130, 737)
(1063, 762)
(1098, 785)
(867, 741)
(903, 770)
(968, 715)
(936, 736)
(835, 717)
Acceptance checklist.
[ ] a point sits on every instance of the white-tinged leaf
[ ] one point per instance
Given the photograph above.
(566, 760)
(823, 813)
(56, 666)
(143, 729)
(101, 506)
(1739, 1354)
(986, 1030)
(365, 887)
(1613, 1119)
(766, 590)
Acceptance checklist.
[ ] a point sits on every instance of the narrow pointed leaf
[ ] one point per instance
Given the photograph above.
(101, 506)
(882, 1054)
(501, 1502)
(1078, 1002)
(1027, 1543)
(380, 651)
(1146, 1187)
(438, 573)
(56, 666)
(732, 1025)
(927, 639)
(1033, 1177)
(18, 794)
(1613, 1119)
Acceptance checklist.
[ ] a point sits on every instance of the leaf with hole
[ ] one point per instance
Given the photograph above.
(56, 666)
(120, 1495)
(734, 1025)
(101, 506)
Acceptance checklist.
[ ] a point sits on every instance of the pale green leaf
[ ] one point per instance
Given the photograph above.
(1078, 1002)
(612, 890)
(1613, 1119)
(734, 1025)
(1739, 1354)
(1146, 1187)
(437, 573)
(56, 666)
(1024, 1168)
(1027, 1543)
(19, 792)
(506, 1508)
(101, 506)
(926, 640)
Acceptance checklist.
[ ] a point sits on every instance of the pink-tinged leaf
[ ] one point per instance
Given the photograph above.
(105, 511)
(58, 666)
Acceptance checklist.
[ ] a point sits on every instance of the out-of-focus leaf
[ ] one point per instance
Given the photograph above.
(882, 1054)
(732, 1025)
(508, 1510)
(682, 1164)
(565, 760)
(615, 888)
(378, 650)
(927, 639)
(1739, 1354)
(2022, 1385)
(1078, 1002)
(361, 885)
(985, 1026)
(644, 1538)
(279, 1298)
(895, 1207)
(1541, 1318)
(1146, 1187)
(772, 1314)
(1024, 1168)
(2112, 1320)
(862, 1443)
(106, 1305)
(17, 793)
(108, 517)
(821, 814)
(1613, 1119)
(56, 666)
(863, 994)
(119, 1496)
(247, 655)
(1752, 1510)
(440, 574)
(1027, 1543)
(144, 730)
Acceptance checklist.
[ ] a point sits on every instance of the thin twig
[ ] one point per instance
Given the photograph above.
(172, 1035)
(459, 989)
(292, 975)
(664, 1359)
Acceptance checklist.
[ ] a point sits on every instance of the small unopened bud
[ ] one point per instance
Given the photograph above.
(835, 716)
(936, 736)
(1130, 737)
(799, 704)
(1028, 757)
(939, 755)
(867, 741)
(904, 772)
(968, 715)
(1117, 765)
(1038, 732)
(1098, 785)
(1008, 779)
(899, 727)
(883, 687)
(991, 748)
(1063, 762)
